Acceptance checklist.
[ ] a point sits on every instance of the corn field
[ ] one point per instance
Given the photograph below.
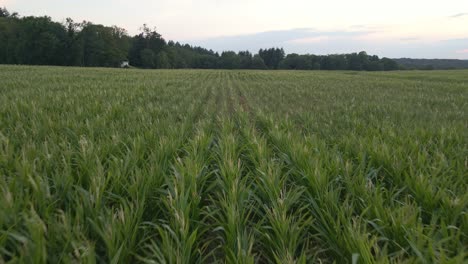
(205, 166)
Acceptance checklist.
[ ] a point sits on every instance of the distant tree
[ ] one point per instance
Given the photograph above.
(328, 63)
(314, 62)
(103, 46)
(162, 60)
(442, 64)
(354, 62)
(39, 40)
(389, 64)
(428, 68)
(9, 39)
(148, 58)
(258, 63)
(373, 58)
(176, 56)
(363, 56)
(229, 60)
(147, 39)
(272, 57)
(206, 62)
(296, 62)
(4, 12)
(374, 66)
(341, 62)
(73, 46)
(245, 59)
(316, 66)
(364, 59)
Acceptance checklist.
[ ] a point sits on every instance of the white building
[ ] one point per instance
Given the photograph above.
(124, 64)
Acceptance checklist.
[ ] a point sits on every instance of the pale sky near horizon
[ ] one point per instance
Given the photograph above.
(398, 28)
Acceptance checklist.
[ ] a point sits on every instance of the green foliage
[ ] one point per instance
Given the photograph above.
(40, 41)
(272, 57)
(296, 62)
(229, 60)
(258, 63)
(145, 49)
(433, 64)
(132, 166)
(162, 60)
(102, 46)
(4, 12)
(147, 58)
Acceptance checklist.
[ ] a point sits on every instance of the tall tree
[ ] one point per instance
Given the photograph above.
(245, 58)
(229, 60)
(272, 57)
(4, 12)
(258, 63)
(147, 40)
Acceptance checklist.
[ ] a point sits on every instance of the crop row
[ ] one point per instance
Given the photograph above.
(101, 165)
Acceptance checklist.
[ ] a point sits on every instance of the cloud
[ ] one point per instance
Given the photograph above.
(277, 38)
(313, 41)
(409, 39)
(459, 43)
(309, 40)
(358, 26)
(459, 15)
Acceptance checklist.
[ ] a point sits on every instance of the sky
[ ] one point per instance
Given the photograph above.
(390, 28)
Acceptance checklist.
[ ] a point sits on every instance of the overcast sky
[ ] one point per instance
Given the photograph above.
(392, 28)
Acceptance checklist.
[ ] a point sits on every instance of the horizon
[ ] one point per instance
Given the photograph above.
(436, 33)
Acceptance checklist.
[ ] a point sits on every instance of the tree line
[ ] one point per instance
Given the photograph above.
(41, 41)
(432, 64)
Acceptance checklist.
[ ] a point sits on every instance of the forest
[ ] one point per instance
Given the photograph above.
(431, 64)
(33, 40)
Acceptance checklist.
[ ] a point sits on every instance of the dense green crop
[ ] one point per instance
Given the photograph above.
(125, 166)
